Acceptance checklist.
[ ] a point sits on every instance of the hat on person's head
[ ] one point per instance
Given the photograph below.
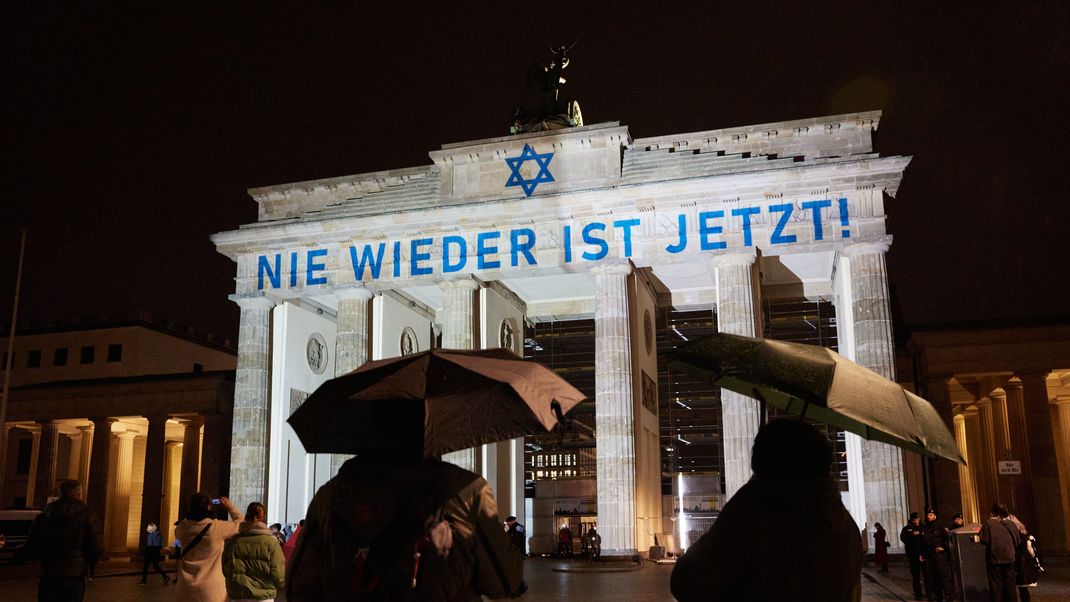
(914, 515)
(510, 518)
(930, 510)
(957, 515)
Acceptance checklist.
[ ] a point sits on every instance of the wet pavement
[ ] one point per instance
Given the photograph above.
(117, 582)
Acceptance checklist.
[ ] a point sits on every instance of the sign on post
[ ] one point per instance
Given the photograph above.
(1010, 467)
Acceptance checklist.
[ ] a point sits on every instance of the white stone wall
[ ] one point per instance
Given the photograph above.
(294, 474)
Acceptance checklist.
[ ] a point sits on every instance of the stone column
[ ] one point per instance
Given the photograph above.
(979, 497)
(214, 446)
(352, 340)
(99, 467)
(614, 410)
(190, 481)
(35, 459)
(738, 312)
(74, 457)
(83, 461)
(152, 489)
(987, 484)
(45, 478)
(944, 476)
(120, 507)
(252, 398)
(3, 459)
(874, 348)
(1012, 487)
(1019, 445)
(458, 332)
(1047, 497)
(965, 480)
(172, 478)
(1062, 452)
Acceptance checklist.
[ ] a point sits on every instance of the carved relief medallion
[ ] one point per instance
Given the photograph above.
(316, 353)
(506, 335)
(408, 343)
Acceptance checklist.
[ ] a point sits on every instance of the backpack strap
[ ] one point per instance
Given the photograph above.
(196, 540)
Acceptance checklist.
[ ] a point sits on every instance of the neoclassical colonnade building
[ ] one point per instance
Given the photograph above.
(582, 222)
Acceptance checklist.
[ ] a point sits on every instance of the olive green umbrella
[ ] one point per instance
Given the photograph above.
(821, 385)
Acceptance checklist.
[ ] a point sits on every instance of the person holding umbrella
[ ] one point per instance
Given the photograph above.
(398, 526)
(792, 489)
(396, 522)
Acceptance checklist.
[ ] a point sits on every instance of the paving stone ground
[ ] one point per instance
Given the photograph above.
(117, 582)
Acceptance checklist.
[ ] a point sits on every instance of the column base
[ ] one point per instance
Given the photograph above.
(623, 555)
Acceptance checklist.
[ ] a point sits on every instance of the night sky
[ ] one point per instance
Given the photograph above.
(131, 136)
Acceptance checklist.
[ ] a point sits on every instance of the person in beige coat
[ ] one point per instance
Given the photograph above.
(200, 570)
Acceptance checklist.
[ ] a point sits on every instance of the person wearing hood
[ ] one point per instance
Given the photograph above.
(153, 545)
(742, 557)
(253, 562)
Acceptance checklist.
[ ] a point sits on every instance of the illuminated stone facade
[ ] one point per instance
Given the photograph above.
(576, 225)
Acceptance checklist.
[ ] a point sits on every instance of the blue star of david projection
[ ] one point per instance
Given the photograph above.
(515, 163)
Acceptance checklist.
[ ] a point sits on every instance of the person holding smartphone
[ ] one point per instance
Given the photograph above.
(200, 570)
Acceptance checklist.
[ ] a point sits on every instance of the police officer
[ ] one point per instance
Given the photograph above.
(516, 534)
(936, 544)
(912, 543)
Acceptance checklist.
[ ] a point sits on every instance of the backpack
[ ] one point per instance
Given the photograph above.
(390, 543)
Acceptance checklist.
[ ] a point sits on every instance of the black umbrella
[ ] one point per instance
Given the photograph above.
(819, 384)
(441, 400)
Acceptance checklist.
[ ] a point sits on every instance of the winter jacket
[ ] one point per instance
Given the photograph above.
(200, 571)
(253, 564)
(1001, 541)
(813, 553)
(481, 560)
(912, 543)
(935, 539)
(66, 538)
(154, 540)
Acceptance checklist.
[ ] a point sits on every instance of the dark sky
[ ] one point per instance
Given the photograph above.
(131, 136)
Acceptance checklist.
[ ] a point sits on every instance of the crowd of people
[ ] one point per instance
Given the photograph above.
(397, 526)
(1011, 560)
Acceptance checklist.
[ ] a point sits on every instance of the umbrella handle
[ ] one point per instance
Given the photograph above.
(556, 407)
(763, 415)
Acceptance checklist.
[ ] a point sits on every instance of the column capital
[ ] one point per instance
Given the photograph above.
(746, 257)
(997, 393)
(1025, 375)
(463, 283)
(984, 402)
(354, 292)
(257, 302)
(1012, 385)
(156, 417)
(87, 428)
(125, 435)
(1062, 400)
(194, 420)
(606, 268)
(866, 248)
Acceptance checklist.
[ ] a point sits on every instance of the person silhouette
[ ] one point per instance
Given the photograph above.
(784, 536)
